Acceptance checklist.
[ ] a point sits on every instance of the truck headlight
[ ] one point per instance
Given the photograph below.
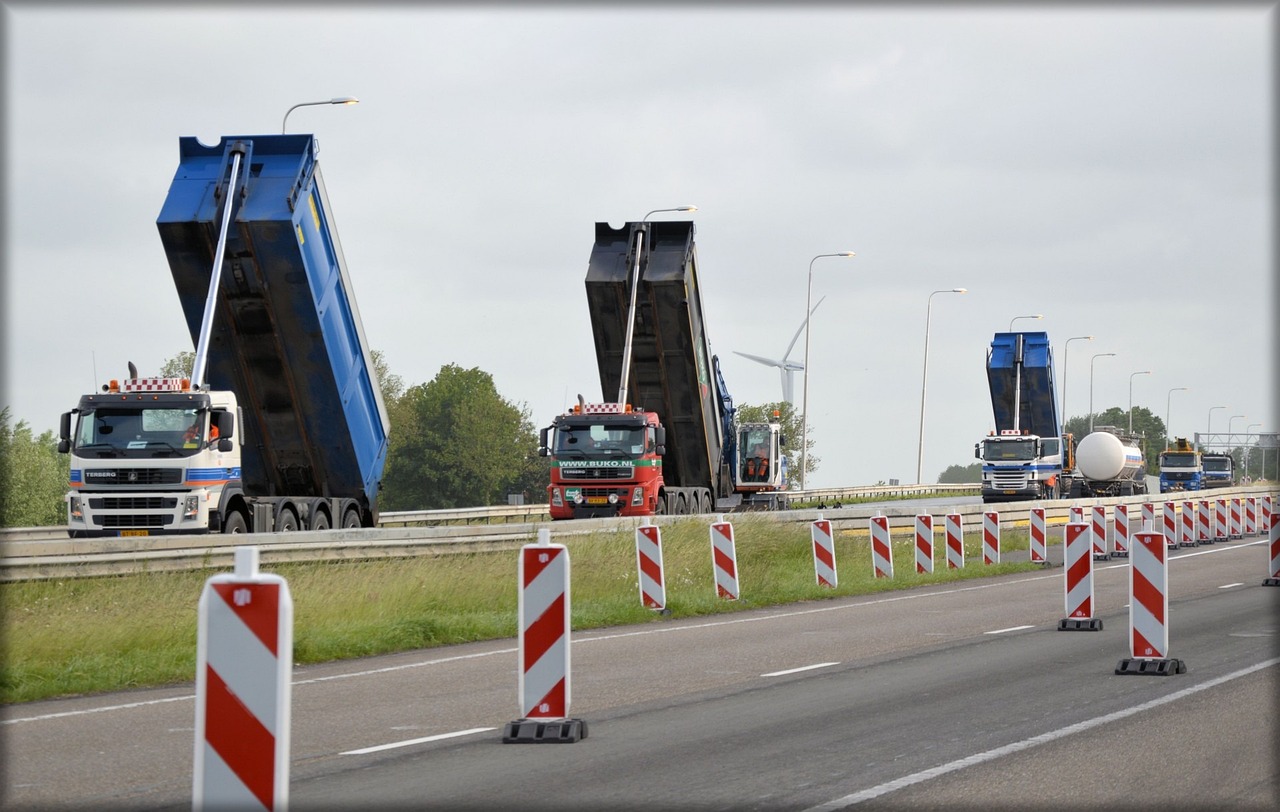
(578, 498)
(74, 508)
(637, 497)
(556, 499)
(190, 506)
(613, 498)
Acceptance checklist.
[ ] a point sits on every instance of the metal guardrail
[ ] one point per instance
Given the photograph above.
(48, 558)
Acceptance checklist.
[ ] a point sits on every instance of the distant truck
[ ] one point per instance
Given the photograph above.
(669, 442)
(281, 424)
(1025, 457)
(1219, 469)
(1108, 463)
(1181, 467)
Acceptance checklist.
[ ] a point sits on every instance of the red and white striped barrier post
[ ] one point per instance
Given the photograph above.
(881, 550)
(1265, 518)
(1148, 516)
(244, 664)
(1121, 531)
(824, 552)
(724, 560)
(955, 541)
(1273, 536)
(1188, 537)
(1235, 531)
(1204, 523)
(1078, 577)
(543, 647)
(990, 537)
(1171, 524)
(1220, 527)
(653, 588)
(1251, 516)
(1149, 610)
(1075, 515)
(1039, 544)
(1098, 532)
(924, 543)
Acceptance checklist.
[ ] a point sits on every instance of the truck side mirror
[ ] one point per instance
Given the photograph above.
(226, 427)
(225, 444)
(64, 426)
(660, 440)
(782, 440)
(977, 451)
(64, 446)
(544, 450)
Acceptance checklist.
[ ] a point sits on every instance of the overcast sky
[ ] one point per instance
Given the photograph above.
(1107, 168)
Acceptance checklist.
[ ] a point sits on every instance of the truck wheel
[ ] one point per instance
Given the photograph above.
(320, 520)
(235, 523)
(662, 505)
(287, 522)
(351, 520)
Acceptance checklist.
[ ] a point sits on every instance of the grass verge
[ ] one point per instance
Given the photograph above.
(90, 635)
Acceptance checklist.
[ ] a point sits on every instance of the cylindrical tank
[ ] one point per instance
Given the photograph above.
(1102, 456)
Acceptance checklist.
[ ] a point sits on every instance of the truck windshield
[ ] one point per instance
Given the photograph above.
(1219, 465)
(1178, 460)
(1016, 450)
(135, 431)
(595, 441)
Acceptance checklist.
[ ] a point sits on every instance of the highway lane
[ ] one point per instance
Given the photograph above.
(681, 714)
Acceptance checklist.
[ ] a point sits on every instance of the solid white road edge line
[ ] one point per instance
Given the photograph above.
(798, 670)
(1044, 738)
(438, 737)
(1010, 629)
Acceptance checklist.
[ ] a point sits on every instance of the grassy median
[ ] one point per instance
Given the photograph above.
(89, 635)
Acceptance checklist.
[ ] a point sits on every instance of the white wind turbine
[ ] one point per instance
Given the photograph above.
(786, 368)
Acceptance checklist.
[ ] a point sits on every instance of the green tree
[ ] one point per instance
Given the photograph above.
(789, 419)
(33, 476)
(1149, 428)
(179, 366)
(961, 474)
(457, 443)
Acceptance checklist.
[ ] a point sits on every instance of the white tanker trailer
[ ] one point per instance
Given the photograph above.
(1108, 464)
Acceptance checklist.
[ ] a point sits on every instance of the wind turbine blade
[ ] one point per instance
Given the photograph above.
(800, 330)
(759, 359)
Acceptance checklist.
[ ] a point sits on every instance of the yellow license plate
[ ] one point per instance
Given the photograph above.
(597, 500)
(135, 532)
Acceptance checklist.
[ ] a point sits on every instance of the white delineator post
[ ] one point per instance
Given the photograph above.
(724, 560)
(1077, 568)
(1039, 543)
(924, 543)
(544, 647)
(990, 537)
(955, 541)
(244, 664)
(824, 552)
(1149, 609)
(653, 590)
(881, 550)
(1121, 532)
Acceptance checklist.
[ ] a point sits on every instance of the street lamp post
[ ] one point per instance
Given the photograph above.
(1229, 422)
(339, 100)
(1066, 347)
(928, 311)
(804, 417)
(1167, 400)
(631, 308)
(1208, 429)
(1091, 360)
(1015, 318)
(1248, 448)
(1143, 372)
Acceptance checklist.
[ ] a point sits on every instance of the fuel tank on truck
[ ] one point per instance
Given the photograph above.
(1102, 456)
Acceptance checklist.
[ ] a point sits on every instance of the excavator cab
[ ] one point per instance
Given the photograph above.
(758, 455)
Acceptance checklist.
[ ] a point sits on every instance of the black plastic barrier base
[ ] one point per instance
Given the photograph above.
(1120, 554)
(1074, 624)
(536, 731)
(1101, 556)
(1151, 666)
(1271, 582)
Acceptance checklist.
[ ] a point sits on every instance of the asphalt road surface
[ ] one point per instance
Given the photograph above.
(958, 696)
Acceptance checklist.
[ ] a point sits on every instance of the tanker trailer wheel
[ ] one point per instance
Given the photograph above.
(235, 523)
(319, 520)
(287, 522)
(351, 519)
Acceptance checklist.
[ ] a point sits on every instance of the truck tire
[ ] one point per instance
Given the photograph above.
(661, 510)
(319, 520)
(234, 523)
(351, 519)
(286, 522)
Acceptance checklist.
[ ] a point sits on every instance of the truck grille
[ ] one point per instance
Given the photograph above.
(132, 476)
(597, 473)
(1009, 480)
(133, 503)
(623, 493)
(129, 520)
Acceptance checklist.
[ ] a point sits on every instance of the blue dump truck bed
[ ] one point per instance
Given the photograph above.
(1037, 400)
(286, 336)
(671, 367)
